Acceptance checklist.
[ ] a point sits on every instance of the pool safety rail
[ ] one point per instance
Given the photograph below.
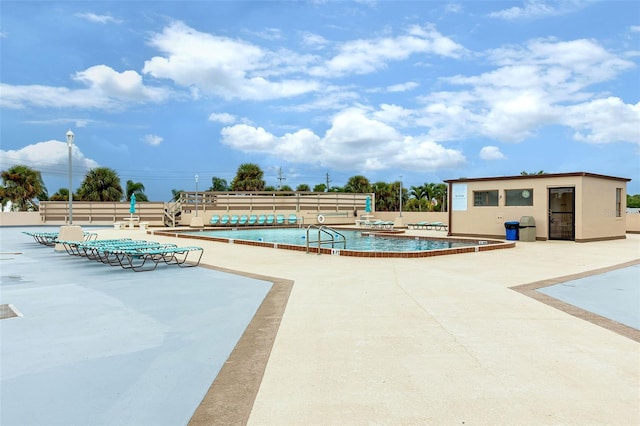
(326, 235)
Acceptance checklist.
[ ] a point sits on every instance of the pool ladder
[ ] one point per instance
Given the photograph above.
(326, 235)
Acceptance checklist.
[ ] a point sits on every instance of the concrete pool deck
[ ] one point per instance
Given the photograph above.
(441, 340)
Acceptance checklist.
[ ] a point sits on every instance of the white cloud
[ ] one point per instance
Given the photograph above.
(635, 28)
(354, 140)
(332, 98)
(491, 153)
(152, 140)
(223, 118)
(105, 89)
(582, 61)
(604, 121)
(101, 19)
(395, 115)
(369, 55)
(532, 86)
(269, 34)
(74, 122)
(125, 85)
(314, 41)
(403, 87)
(50, 157)
(531, 9)
(223, 66)
(248, 138)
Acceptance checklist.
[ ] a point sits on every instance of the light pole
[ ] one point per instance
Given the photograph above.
(196, 195)
(400, 196)
(70, 138)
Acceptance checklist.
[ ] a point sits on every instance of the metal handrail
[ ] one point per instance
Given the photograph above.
(171, 210)
(332, 233)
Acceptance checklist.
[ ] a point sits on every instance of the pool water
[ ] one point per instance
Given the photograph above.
(355, 240)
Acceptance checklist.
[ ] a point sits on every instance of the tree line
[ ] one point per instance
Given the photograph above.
(22, 185)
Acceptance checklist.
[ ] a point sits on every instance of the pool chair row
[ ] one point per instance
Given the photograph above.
(377, 224)
(253, 220)
(137, 255)
(50, 238)
(439, 226)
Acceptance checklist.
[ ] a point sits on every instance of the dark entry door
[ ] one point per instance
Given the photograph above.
(562, 222)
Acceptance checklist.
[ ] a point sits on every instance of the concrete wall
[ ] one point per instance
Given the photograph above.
(33, 218)
(633, 223)
(412, 217)
(632, 220)
(598, 209)
(20, 219)
(304, 216)
(331, 218)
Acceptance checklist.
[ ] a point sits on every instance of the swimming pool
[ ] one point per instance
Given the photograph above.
(358, 243)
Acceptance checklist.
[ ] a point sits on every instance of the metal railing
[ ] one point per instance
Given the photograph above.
(172, 209)
(329, 233)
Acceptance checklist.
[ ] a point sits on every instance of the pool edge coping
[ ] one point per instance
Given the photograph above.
(230, 398)
(530, 290)
(489, 244)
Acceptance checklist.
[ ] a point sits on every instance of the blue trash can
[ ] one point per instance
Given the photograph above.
(512, 229)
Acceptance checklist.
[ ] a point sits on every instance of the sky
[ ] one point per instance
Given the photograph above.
(410, 91)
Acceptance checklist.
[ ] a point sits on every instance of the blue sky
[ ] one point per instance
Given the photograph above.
(424, 90)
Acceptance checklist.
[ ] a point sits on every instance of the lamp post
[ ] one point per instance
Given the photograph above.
(70, 138)
(400, 196)
(196, 195)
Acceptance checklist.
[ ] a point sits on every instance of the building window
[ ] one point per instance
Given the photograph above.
(485, 198)
(618, 202)
(518, 197)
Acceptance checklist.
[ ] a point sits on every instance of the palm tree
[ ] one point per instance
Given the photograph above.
(101, 184)
(303, 187)
(218, 184)
(4, 199)
(21, 185)
(418, 192)
(248, 178)
(61, 194)
(175, 194)
(440, 191)
(386, 197)
(135, 188)
(358, 184)
(321, 187)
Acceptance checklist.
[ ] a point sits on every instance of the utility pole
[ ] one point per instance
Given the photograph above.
(280, 178)
(328, 180)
